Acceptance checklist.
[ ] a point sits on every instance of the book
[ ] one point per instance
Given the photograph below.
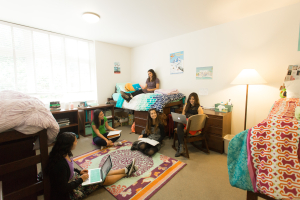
(113, 134)
(64, 119)
(64, 124)
(55, 109)
(149, 141)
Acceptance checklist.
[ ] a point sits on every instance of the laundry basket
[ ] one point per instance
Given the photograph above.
(227, 139)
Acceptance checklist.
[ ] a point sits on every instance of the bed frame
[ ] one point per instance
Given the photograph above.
(18, 166)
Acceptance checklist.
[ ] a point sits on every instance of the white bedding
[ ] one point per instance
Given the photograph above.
(26, 114)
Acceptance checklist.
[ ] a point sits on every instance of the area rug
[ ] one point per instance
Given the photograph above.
(153, 173)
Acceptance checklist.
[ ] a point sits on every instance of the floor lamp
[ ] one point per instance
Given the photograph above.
(248, 77)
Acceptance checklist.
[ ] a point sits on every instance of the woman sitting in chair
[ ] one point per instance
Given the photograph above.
(191, 108)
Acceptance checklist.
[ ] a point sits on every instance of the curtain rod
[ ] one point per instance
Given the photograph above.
(44, 30)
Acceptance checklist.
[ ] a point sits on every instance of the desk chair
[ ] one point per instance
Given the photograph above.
(195, 122)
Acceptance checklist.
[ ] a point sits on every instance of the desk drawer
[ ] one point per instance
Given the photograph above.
(140, 122)
(214, 130)
(141, 114)
(215, 143)
(214, 122)
(139, 129)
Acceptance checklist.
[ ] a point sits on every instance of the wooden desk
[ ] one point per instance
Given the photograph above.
(216, 127)
(82, 121)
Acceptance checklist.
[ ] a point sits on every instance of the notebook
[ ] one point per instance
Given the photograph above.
(98, 175)
(113, 134)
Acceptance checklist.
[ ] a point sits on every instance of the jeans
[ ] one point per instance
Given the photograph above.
(101, 142)
(180, 133)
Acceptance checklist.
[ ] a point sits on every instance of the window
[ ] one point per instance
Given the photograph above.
(46, 65)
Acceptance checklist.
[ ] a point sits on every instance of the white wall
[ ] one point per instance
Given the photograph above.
(266, 42)
(106, 55)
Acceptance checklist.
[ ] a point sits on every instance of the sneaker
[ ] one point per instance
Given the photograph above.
(125, 96)
(130, 168)
(179, 150)
(135, 145)
(118, 144)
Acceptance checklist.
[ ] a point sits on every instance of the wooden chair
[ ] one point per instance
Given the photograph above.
(18, 170)
(195, 122)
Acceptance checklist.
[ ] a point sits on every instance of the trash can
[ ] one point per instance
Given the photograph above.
(227, 139)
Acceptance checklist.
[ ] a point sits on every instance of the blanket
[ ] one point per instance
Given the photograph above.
(26, 114)
(162, 100)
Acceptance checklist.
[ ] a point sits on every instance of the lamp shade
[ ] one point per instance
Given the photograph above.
(248, 77)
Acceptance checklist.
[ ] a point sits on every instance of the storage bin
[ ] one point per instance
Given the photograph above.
(227, 108)
(88, 129)
(227, 139)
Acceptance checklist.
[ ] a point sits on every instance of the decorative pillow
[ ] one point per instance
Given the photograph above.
(120, 87)
(136, 86)
(292, 89)
(129, 87)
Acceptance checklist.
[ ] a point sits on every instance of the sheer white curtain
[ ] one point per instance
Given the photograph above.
(49, 66)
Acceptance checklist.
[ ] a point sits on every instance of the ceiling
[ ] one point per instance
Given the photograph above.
(131, 23)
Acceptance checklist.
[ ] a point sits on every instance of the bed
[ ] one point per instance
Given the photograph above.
(141, 103)
(264, 160)
(26, 125)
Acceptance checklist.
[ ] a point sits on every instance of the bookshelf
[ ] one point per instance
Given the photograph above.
(82, 117)
(72, 115)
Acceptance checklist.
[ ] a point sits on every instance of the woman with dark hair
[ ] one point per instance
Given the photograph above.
(155, 130)
(100, 133)
(152, 84)
(191, 108)
(65, 183)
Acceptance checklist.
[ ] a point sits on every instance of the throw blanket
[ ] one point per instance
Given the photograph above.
(274, 146)
(162, 100)
(26, 114)
(237, 162)
(166, 91)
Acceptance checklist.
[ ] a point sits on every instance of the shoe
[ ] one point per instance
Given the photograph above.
(130, 168)
(125, 97)
(118, 144)
(179, 150)
(135, 145)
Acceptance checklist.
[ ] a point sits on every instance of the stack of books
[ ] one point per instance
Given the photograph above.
(54, 106)
(63, 122)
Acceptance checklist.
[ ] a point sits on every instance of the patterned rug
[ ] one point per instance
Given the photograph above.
(153, 173)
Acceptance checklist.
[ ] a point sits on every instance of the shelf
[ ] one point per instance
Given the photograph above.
(71, 125)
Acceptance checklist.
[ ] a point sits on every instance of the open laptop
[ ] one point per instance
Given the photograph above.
(179, 118)
(98, 175)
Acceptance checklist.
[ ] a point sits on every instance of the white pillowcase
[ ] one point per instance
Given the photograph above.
(292, 89)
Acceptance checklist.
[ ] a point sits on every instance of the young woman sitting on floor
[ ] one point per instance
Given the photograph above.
(191, 108)
(99, 133)
(155, 130)
(65, 183)
(152, 84)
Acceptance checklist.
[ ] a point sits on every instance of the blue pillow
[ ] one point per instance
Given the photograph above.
(136, 86)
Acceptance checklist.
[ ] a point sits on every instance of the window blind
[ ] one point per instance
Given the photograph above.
(46, 65)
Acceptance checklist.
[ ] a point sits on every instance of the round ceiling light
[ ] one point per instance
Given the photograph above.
(90, 17)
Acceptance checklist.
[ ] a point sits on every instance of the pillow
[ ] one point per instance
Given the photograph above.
(297, 113)
(116, 96)
(136, 86)
(120, 87)
(129, 87)
(292, 89)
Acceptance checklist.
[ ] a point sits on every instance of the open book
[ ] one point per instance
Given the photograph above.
(149, 141)
(113, 134)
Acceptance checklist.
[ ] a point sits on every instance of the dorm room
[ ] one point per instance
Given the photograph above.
(56, 69)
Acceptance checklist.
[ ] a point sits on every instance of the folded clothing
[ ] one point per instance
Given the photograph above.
(166, 91)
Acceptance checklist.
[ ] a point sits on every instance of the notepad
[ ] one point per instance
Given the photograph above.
(149, 141)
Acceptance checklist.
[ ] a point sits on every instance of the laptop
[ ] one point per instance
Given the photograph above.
(179, 118)
(98, 175)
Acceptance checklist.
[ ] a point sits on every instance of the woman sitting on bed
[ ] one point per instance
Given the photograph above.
(65, 183)
(99, 132)
(191, 108)
(155, 130)
(152, 83)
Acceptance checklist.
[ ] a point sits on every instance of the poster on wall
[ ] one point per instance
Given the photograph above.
(176, 62)
(204, 73)
(117, 68)
(299, 41)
